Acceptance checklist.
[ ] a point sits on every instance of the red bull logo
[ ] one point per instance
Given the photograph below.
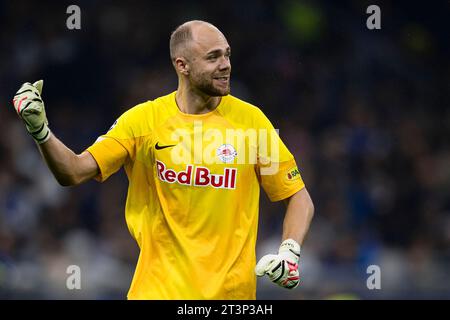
(197, 176)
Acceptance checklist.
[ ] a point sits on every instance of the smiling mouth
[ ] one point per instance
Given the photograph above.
(223, 79)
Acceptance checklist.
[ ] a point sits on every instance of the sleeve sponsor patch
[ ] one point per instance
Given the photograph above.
(293, 174)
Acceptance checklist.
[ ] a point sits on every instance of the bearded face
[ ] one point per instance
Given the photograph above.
(205, 61)
(211, 81)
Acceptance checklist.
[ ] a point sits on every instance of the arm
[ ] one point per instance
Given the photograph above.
(282, 268)
(67, 167)
(299, 213)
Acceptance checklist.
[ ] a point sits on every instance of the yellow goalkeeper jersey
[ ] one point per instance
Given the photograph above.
(193, 195)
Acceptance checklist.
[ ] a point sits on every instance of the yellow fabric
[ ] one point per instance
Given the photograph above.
(196, 241)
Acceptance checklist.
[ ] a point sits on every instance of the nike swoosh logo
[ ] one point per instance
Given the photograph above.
(158, 147)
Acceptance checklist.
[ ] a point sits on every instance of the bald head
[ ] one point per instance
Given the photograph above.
(201, 57)
(188, 32)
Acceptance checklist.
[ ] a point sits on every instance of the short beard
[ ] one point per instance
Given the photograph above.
(207, 88)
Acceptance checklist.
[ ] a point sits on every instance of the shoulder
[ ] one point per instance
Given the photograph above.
(234, 104)
(142, 118)
(136, 112)
(238, 110)
(150, 108)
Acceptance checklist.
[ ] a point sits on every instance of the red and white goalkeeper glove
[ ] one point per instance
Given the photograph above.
(281, 268)
(30, 107)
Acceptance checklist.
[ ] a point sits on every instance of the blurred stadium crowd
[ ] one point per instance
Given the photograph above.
(366, 113)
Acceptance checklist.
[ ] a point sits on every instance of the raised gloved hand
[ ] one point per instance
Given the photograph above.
(30, 108)
(281, 268)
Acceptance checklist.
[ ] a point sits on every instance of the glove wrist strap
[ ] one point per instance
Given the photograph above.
(292, 246)
(42, 134)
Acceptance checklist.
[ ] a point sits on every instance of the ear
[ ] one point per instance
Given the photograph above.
(182, 66)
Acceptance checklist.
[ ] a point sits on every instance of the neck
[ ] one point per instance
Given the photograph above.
(191, 101)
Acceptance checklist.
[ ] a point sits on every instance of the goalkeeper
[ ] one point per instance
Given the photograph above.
(195, 220)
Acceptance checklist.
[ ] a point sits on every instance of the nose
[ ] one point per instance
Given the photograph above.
(225, 63)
